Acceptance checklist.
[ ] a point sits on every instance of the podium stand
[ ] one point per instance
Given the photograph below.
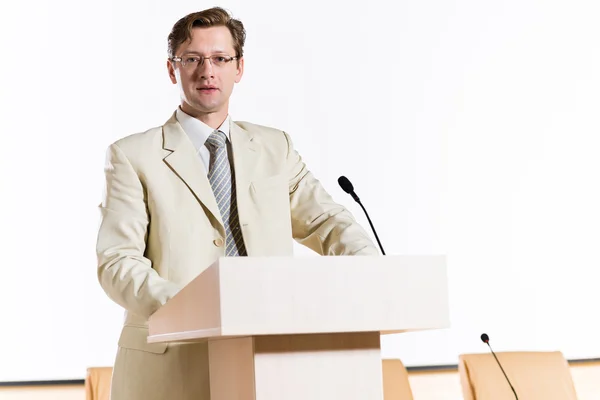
(303, 328)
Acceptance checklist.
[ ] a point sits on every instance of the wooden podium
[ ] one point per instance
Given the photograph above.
(303, 328)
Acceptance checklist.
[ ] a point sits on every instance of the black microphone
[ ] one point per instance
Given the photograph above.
(348, 188)
(486, 339)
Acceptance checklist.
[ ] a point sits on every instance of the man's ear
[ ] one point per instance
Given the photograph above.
(171, 70)
(240, 70)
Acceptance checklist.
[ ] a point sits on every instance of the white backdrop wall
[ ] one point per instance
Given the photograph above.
(469, 128)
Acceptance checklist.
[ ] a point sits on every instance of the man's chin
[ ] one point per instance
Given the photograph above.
(204, 108)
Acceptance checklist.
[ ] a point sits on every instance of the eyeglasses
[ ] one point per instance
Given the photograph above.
(193, 61)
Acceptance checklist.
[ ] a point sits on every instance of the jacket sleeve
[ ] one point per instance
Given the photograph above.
(124, 272)
(318, 222)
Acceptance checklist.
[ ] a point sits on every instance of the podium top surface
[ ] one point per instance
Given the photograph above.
(249, 296)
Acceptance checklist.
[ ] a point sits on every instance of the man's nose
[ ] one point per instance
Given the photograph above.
(206, 69)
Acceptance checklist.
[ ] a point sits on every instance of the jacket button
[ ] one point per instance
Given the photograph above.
(218, 242)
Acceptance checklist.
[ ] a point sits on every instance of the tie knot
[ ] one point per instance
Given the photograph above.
(217, 139)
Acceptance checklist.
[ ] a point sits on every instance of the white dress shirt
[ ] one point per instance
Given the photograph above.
(198, 132)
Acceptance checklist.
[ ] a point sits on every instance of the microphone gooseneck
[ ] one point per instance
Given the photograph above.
(486, 339)
(347, 187)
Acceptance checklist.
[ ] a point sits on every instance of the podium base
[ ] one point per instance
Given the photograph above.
(344, 366)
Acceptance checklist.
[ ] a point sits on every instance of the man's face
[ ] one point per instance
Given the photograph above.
(206, 88)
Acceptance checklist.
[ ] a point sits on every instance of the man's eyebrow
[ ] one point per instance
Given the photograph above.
(198, 53)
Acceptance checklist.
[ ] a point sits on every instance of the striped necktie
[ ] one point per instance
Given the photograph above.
(223, 186)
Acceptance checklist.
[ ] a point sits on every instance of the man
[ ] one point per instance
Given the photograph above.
(200, 187)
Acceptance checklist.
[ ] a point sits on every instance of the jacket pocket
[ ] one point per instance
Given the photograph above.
(276, 181)
(136, 338)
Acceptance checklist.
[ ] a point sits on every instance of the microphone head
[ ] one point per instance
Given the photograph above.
(346, 184)
(485, 338)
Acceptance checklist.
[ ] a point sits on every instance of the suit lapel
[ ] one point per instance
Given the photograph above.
(246, 152)
(182, 159)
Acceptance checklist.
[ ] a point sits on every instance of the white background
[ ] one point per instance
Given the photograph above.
(468, 127)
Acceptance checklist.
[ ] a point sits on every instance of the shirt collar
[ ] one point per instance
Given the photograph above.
(198, 131)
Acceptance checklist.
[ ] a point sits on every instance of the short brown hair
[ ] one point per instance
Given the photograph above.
(216, 16)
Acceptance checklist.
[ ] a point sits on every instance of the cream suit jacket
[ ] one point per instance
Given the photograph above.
(160, 228)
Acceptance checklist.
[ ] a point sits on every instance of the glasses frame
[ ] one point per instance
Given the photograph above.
(203, 58)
